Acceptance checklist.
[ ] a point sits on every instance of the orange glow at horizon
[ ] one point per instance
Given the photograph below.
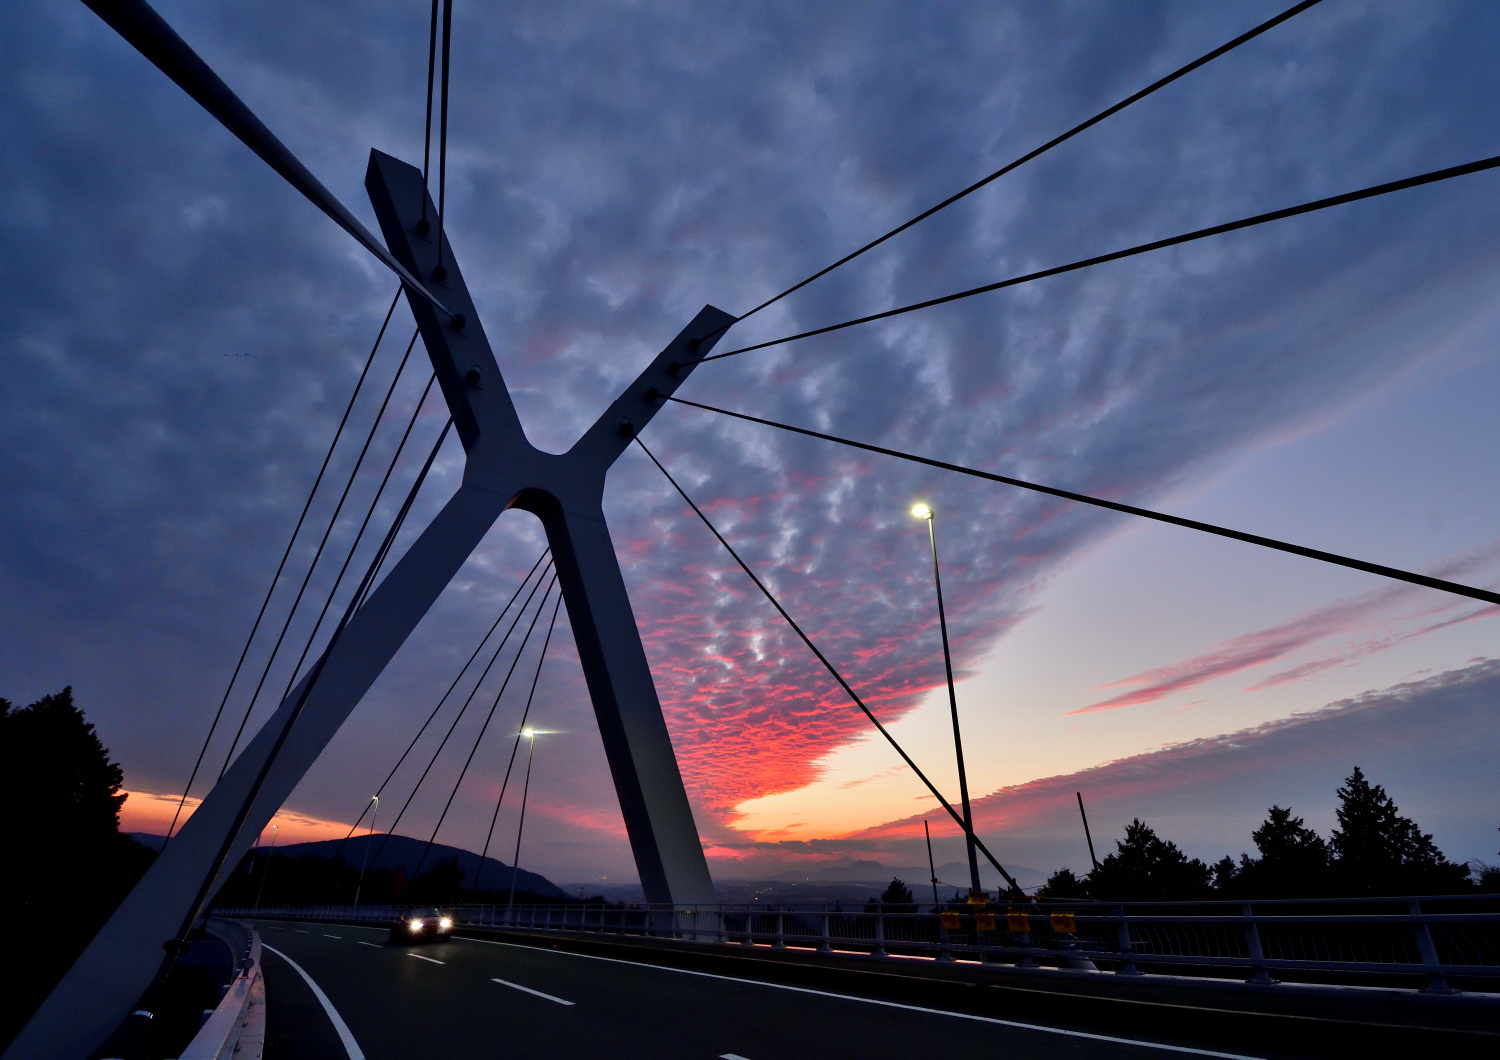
(146, 811)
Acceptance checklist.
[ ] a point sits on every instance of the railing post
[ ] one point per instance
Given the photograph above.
(1258, 976)
(879, 932)
(945, 949)
(749, 925)
(825, 946)
(1436, 983)
(1127, 951)
(780, 930)
(1019, 925)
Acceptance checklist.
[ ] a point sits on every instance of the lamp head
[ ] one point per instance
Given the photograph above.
(921, 511)
(530, 734)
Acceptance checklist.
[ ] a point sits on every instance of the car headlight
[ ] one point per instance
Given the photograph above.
(444, 924)
(415, 925)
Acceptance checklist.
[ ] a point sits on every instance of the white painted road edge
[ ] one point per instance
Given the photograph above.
(873, 1001)
(345, 1035)
(528, 990)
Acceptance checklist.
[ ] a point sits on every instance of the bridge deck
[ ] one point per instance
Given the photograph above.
(484, 997)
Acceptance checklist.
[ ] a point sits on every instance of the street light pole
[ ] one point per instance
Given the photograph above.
(364, 862)
(262, 888)
(923, 511)
(515, 861)
(937, 903)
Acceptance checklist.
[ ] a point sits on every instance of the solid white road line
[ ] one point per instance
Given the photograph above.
(429, 960)
(350, 1045)
(528, 990)
(1188, 1050)
(371, 945)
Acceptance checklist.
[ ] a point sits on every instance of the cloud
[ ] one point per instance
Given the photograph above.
(1429, 741)
(152, 812)
(181, 331)
(1249, 650)
(1355, 652)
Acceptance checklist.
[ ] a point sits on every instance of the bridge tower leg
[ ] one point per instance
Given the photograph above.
(502, 470)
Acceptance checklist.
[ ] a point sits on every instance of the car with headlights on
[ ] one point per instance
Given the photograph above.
(422, 924)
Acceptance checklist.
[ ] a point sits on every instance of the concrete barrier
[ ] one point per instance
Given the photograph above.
(237, 1027)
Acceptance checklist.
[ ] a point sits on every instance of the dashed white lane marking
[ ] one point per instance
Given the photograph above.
(429, 960)
(1188, 1050)
(327, 936)
(731, 1056)
(528, 990)
(350, 1045)
(301, 932)
(370, 944)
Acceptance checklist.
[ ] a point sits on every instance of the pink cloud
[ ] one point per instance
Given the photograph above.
(1275, 642)
(1377, 718)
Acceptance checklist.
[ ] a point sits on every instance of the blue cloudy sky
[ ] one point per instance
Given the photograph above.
(181, 332)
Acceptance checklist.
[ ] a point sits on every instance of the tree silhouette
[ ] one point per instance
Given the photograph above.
(1377, 851)
(1487, 877)
(59, 786)
(1063, 884)
(896, 896)
(1293, 860)
(1148, 868)
(67, 866)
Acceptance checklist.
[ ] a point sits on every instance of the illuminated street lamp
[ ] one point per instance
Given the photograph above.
(923, 511)
(515, 861)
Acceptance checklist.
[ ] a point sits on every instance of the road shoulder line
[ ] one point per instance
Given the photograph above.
(1184, 1049)
(345, 1035)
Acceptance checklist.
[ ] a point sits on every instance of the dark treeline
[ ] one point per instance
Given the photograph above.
(1374, 851)
(67, 865)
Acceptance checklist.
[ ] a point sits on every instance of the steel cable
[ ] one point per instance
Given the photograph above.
(461, 712)
(465, 669)
(440, 271)
(149, 34)
(359, 535)
(828, 666)
(478, 739)
(427, 131)
(275, 578)
(317, 555)
(525, 714)
(1155, 86)
(1371, 192)
(178, 944)
(1394, 573)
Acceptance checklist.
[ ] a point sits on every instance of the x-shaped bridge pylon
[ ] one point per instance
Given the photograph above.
(502, 470)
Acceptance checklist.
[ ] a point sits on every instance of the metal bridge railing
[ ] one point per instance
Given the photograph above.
(1400, 941)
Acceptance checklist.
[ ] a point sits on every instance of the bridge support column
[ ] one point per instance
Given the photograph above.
(502, 470)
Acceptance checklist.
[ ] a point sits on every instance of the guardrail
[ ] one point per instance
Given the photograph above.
(236, 1027)
(1420, 942)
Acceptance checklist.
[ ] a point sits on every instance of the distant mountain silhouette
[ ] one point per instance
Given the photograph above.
(403, 852)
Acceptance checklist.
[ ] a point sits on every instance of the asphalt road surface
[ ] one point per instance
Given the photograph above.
(334, 991)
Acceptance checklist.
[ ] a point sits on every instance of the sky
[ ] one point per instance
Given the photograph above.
(182, 332)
